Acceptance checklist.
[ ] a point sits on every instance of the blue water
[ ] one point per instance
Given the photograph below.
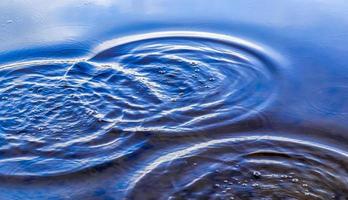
(146, 99)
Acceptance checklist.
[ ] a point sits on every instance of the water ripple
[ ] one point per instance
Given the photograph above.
(59, 117)
(190, 80)
(249, 167)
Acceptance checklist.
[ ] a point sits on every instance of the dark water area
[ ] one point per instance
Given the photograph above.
(108, 100)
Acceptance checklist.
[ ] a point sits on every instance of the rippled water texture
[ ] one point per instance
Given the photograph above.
(166, 115)
(77, 114)
(246, 168)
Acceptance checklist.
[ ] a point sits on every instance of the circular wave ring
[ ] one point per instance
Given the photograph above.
(60, 117)
(191, 80)
(250, 167)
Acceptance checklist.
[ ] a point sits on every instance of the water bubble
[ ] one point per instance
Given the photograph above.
(194, 63)
(284, 176)
(295, 180)
(255, 185)
(257, 174)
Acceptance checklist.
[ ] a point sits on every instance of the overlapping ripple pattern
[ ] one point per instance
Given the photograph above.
(80, 113)
(63, 117)
(190, 81)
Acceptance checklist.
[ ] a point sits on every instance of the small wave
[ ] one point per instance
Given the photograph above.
(82, 113)
(250, 167)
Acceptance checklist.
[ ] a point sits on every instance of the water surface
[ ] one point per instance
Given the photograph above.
(173, 100)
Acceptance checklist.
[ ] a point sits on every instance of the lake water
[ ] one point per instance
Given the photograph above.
(152, 99)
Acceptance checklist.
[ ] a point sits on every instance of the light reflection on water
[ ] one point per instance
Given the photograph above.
(173, 100)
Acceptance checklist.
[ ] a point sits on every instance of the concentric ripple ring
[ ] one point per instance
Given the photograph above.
(192, 81)
(59, 117)
(246, 167)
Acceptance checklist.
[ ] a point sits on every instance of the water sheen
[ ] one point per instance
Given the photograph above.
(141, 100)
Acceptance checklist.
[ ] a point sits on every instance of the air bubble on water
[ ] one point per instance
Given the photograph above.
(256, 174)
(295, 180)
(255, 185)
(211, 79)
(283, 176)
(196, 70)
